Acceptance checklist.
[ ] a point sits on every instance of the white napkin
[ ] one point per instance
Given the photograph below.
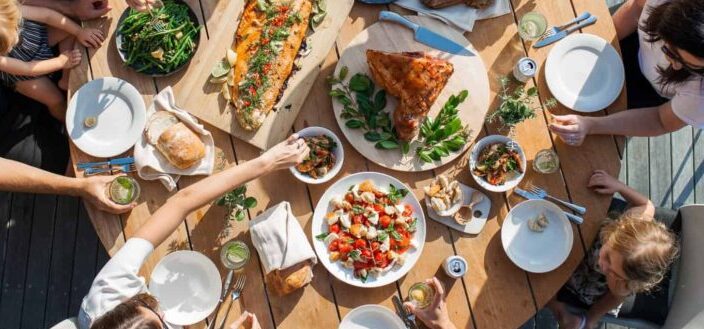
(279, 239)
(151, 165)
(461, 16)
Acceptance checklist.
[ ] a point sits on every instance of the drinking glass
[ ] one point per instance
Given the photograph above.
(532, 25)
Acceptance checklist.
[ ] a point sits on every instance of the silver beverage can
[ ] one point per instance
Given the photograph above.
(525, 69)
(455, 266)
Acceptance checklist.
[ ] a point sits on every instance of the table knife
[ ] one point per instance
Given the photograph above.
(407, 318)
(530, 196)
(426, 36)
(562, 34)
(113, 162)
(223, 295)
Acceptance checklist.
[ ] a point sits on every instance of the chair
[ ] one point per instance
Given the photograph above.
(69, 323)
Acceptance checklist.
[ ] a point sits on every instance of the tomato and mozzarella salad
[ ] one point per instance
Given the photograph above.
(369, 230)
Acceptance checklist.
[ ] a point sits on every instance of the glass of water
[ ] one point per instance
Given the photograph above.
(532, 25)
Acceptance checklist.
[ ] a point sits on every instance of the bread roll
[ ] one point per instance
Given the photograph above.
(157, 124)
(181, 146)
(283, 282)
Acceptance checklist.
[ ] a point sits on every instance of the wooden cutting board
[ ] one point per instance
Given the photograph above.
(203, 99)
(470, 74)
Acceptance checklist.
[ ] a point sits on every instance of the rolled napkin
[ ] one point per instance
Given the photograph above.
(283, 249)
(152, 165)
(461, 16)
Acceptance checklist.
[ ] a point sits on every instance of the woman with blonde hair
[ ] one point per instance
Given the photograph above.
(632, 255)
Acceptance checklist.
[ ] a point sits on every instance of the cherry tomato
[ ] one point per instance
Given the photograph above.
(360, 244)
(345, 248)
(366, 253)
(384, 221)
(357, 219)
(407, 210)
(335, 228)
(349, 197)
(400, 229)
(334, 246)
(378, 208)
(360, 265)
(378, 256)
(375, 245)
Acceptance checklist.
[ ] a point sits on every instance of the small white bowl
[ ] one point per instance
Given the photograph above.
(338, 151)
(479, 146)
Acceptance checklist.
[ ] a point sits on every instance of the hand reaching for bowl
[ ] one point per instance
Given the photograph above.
(286, 154)
(434, 316)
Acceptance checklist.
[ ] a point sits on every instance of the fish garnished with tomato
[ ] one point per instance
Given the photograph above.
(268, 39)
(369, 230)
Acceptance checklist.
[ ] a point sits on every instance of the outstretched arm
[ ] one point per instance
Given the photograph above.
(19, 177)
(14, 66)
(167, 218)
(603, 183)
(51, 17)
(81, 9)
(626, 17)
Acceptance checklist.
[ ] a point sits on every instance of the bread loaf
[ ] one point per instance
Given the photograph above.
(283, 282)
(181, 146)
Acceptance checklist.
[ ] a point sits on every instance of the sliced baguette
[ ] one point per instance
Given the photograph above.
(157, 124)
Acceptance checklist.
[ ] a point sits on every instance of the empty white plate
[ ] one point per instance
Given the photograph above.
(187, 285)
(584, 72)
(371, 317)
(536, 252)
(120, 113)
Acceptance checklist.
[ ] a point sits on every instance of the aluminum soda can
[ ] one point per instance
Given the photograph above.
(455, 266)
(525, 69)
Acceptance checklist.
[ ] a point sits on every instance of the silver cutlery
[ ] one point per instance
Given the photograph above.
(539, 192)
(408, 319)
(126, 168)
(530, 196)
(113, 162)
(236, 293)
(562, 34)
(223, 295)
(555, 29)
(426, 36)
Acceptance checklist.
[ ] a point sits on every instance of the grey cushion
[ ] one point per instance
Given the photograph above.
(66, 324)
(687, 309)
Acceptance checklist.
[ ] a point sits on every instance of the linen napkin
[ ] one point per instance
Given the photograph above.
(152, 165)
(279, 239)
(461, 16)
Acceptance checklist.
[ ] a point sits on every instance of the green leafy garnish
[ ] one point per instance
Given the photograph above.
(381, 236)
(413, 225)
(236, 203)
(516, 106)
(396, 236)
(444, 134)
(321, 236)
(396, 194)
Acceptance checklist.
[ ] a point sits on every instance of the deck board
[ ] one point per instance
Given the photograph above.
(660, 170)
(682, 167)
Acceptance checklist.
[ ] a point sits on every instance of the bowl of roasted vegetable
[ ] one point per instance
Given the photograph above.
(160, 41)
(497, 163)
(325, 158)
(368, 229)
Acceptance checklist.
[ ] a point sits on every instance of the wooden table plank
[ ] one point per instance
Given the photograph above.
(698, 141)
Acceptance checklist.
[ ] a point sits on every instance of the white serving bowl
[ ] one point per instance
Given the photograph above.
(476, 150)
(338, 151)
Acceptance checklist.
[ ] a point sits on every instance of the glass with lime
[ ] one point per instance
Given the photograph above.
(234, 254)
(532, 25)
(123, 190)
(546, 161)
(421, 295)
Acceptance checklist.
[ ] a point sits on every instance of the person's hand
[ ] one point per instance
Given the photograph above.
(248, 320)
(93, 190)
(141, 5)
(603, 183)
(572, 129)
(434, 316)
(70, 58)
(91, 38)
(286, 154)
(88, 9)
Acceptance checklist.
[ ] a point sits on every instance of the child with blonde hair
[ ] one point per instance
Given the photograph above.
(631, 255)
(27, 34)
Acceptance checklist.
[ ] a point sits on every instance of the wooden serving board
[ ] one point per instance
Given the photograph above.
(470, 74)
(201, 98)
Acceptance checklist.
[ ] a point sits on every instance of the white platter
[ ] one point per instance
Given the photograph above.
(584, 72)
(121, 116)
(319, 224)
(476, 225)
(187, 285)
(371, 317)
(469, 73)
(536, 252)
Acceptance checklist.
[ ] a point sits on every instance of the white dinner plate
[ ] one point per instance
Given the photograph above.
(584, 72)
(187, 285)
(121, 115)
(371, 317)
(319, 224)
(536, 252)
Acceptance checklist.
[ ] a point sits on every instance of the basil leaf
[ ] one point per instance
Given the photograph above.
(354, 124)
(360, 83)
(463, 95)
(386, 145)
(321, 236)
(405, 147)
(240, 190)
(441, 151)
(372, 136)
(380, 100)
(396, 236)
(239, 215)
(250, 203)
(343, 72)
(337, 93)
(453, 127)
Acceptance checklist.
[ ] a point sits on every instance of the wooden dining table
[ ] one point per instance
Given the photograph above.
(494, 293)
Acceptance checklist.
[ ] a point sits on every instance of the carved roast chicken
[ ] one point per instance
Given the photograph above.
(267, 41)
(416, 79)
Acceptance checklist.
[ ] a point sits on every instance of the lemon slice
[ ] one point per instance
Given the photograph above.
(231, 57)
(225, 91)
(219, 80)
(231, 78)
(236, 253)
(220, 69)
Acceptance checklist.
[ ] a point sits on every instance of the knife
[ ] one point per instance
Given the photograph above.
(113, 162)
(426, 36)
(223, 295)
(530, 196)
(560, 35)
(407, 320)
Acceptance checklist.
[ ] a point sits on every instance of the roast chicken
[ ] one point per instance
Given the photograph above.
(416, 79)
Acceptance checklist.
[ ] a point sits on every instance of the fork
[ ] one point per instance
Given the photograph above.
(555, 29)
(236, 293)
(159, 26)
(122, 169)
(539, 192)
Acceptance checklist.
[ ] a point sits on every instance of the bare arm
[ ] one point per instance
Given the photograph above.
(626, 17)
(33, 68)
(81, 9)
(62, 6)
(602, 182)
(52, 18)
(606, 303)
(645, 122)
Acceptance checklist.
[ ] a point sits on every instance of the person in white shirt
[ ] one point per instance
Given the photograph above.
(670, 38)
(118, 297)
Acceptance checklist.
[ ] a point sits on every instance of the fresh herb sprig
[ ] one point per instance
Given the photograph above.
(445, 133)
(517, 105)
(236, 203)
(364, 109)
(396, 194)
